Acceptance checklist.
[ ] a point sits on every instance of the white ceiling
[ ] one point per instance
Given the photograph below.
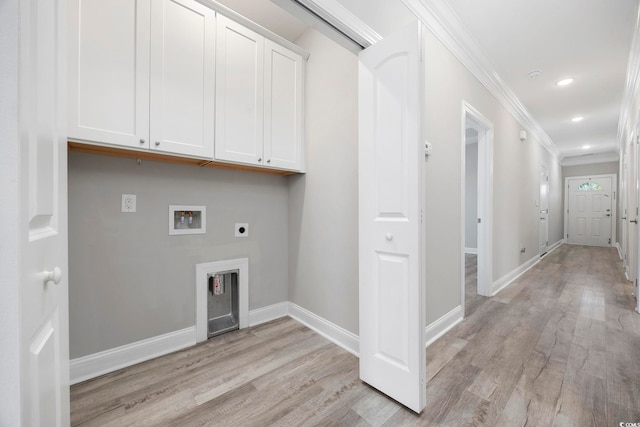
(588, 40)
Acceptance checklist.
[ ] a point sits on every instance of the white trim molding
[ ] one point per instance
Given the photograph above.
(443, 22)
(511, 277)
(268, 313)
(471, 251)
(587, 159)
(441, 326)
(619, 248)
(94, 365)
(334, 333)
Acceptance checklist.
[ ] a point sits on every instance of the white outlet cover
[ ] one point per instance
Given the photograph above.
(242, 229)
(128, 203)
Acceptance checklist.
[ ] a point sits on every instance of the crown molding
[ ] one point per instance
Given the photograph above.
(443, 22)
(631, 87)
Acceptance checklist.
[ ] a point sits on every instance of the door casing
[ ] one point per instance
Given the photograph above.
(471, 117)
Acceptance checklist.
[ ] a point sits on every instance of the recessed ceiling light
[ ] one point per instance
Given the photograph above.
(586, 147)
(577, 119)
(564, 82)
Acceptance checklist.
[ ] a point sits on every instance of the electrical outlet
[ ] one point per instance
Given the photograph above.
(128, 203)
(242, 229)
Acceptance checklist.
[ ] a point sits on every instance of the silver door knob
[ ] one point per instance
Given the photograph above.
(608, 215)
(388, 236)
(635, 221)
(54, 276)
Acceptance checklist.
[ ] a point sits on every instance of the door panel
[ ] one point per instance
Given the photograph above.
(590, 211)
(43, 229)
(392, 348)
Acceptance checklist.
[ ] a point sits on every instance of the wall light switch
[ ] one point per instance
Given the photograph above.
(128, 203)
(242, 229)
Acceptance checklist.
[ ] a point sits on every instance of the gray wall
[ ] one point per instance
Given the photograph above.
(128, 279)
(471, 196)
(516, 181)
(323, 204)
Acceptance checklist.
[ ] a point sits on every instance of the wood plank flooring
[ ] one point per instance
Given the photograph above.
(560, 346)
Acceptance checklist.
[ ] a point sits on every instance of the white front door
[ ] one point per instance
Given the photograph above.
(590, 204)
(392, 300)
(43, 233)
(543, 209)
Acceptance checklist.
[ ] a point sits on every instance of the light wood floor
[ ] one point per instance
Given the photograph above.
(561, 346)
(471, 298)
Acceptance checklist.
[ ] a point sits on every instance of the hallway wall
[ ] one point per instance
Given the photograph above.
(515, 181)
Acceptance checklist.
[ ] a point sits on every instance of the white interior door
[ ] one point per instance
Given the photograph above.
(543, 209)
(590, 204)
(392, 347)
(632, 213)
(43, 233)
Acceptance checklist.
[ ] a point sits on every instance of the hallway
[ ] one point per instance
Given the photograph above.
(559, 346)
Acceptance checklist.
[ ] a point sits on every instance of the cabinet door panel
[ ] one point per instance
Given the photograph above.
(283, 107)
(239, 93)
(108, 71)
(182, 77)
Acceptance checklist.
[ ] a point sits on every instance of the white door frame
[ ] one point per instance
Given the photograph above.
(614, 202)
(544, 165)
(484, 127)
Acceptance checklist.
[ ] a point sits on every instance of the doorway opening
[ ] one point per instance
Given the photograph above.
(477, 184)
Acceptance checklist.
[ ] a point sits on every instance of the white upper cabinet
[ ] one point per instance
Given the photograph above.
(258, 99)
(239, 93)
(182, 75)
(282, 107)
(109, 71)
(169, 76)
(142, 74)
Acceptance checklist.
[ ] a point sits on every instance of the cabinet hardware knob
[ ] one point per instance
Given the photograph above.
(259, 159)
(268, 160)
(388, 236)
(141, 141)
(157, 143)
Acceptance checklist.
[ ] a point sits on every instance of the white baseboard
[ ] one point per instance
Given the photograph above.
(509, 278)
(341, 337)
(441, 326)
(619, 249)
(269, 313)
(555, 246)
(94, 365)
(472, 251)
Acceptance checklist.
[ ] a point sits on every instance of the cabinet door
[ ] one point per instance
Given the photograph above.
(239, 93)
(282, 107)
(182, 77)
(109, 71)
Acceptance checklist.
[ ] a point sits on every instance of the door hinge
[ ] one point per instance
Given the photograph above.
(567, 236)
(479, 220)
(609, 240)
(421, 217)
